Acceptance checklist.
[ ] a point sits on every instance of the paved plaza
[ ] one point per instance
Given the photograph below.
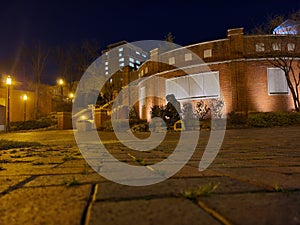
(255, 179)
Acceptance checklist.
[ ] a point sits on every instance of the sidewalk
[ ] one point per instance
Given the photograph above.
(256, 177)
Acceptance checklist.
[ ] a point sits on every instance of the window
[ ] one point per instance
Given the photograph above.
(144, 56)
(138, 61)
(122, 64)
(106, 63)
(277, 83)
(260, 47)
(121, 60)
(106, 68)
(291, 47)
(131, 64)
(131, 59)
(142, 73)
(172, 61)
(121, 49)
(207, 53)
(203, 85)
(120, 54)
(146, 70)
(110, 80)
(276, 46)
(106, 73)
(142, 96)
(188, 57)
(138, 53)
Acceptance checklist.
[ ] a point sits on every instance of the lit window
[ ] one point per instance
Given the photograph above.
(277, 83)
(260, 47)
(121, 49)
(138, 61)
(131, 64)
(188, 57)
(106, 63)
(291, 47)
(144, 55)
(106, 73)
(207, 53)
(137, 53)
(172, 61)
(142, 72)
(121, 60)
(146, 70)
(106, 53)
(276, 46)
(131, 59)
(106, 68)
(110, 80)
(120, 54)
(137, 66)
(122, 64)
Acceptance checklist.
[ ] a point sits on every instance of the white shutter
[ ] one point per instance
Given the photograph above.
(277, 83)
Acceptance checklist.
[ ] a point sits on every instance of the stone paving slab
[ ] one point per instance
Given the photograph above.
(175, 211)
(44, 205)
(257, 208)
(266, 179)
(173, 187)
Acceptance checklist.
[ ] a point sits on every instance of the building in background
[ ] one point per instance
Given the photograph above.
(288, 27)
(121, 54)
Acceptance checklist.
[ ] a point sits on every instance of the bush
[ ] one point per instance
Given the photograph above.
(34, 124)
(271, 119)
(6, 144)
(237, 118)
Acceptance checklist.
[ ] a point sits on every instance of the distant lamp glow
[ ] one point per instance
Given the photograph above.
(8, 83)
(25, 99)
(8, 80)
(60, 82)
(71, 95)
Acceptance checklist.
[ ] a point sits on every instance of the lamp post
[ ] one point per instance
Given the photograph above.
(25, 100)
(8, 83)
(71, 96)
(60, 83)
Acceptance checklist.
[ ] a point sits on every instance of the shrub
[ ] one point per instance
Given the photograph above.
(6, 144)
(270, 119)
(237, 118)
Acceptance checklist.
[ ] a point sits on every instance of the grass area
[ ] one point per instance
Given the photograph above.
(6, 144)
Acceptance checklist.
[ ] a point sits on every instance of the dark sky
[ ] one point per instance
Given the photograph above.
(57, 23)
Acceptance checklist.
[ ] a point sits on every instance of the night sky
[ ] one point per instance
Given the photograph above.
(57, 23)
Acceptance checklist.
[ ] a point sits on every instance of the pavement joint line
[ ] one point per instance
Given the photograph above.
(86, 215)
(214, 213)
(18, 185)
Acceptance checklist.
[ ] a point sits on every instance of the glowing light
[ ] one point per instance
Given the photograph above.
(8, 80)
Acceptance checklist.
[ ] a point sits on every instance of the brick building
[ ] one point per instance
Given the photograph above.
(237, 68)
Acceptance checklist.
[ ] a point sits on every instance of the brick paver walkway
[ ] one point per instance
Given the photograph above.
(256, 175)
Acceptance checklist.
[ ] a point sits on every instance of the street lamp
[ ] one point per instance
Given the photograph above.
(8, 83)
(60, 82)
(71, 96)
(25, 99)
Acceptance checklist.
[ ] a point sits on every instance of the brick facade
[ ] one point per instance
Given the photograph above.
(242, 68)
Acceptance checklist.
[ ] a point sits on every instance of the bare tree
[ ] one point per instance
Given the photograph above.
(65, 59)
(283, 52)
(38, 56)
